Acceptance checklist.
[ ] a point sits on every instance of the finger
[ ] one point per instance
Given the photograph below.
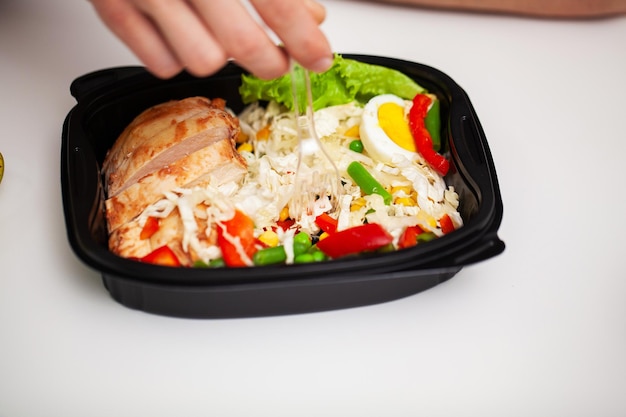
(140, 35)
(242, 37)
(298, 30)
(188, 37)
(317, 10)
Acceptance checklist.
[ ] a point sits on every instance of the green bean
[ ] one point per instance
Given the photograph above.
(432, 121)
(367, 183)
(270, 256)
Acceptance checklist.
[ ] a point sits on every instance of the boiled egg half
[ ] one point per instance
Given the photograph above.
(384, 128)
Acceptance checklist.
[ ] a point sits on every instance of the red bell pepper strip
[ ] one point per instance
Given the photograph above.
(161, 256)
(409, 237)
(423, 140)
(149, 228)
(366, 237)
(446, 224)
(236, 237)
(285, 224)
(325, 222)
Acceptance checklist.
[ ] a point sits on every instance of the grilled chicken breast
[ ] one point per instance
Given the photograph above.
(180, 143)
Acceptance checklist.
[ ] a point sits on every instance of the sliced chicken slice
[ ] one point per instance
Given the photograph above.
(162, 135)
(215, 164)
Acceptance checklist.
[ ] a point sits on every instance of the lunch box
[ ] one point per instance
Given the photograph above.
(109, 99)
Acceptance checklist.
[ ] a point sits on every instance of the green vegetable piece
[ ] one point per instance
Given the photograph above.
(314, 254)
(299, 248)
(217, 263)
(318, 256)
(356, 146)
(200, 264)
(303, 238)
(214, 263)
(347, 80)
(303, 258)
(387, 248)
(367, 183)
(269, 256)
(432, 121)
(301, 243)
(425, 237)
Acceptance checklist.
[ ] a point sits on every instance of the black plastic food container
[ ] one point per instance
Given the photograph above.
(108, 100)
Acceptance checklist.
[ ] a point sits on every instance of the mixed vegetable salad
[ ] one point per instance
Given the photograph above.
(382, 130)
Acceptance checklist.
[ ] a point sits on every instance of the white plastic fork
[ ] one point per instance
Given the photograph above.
(317, 182)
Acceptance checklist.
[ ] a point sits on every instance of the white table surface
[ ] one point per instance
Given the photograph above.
(537, 331)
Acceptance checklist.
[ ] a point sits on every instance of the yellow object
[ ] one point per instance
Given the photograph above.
(270, 238)
(263, 133)
(405, 201)
(241, 137)
(323, 236)
(404, 194)
(245, 147)
(384, 130)
(406, 189)
(353, 132)
(392, 121)
(357, 204)
(284, 214)
(424, 218)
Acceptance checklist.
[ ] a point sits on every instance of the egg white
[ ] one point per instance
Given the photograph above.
(375, 141)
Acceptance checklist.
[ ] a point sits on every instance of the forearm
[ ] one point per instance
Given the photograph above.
(538, 8)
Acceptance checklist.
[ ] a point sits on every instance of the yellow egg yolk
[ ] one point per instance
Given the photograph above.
(392, 121)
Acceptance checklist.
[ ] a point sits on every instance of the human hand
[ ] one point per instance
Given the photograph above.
(201, 35)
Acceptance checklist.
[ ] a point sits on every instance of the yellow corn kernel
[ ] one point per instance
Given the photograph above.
(241, 137)
(406, 189)
(245, 147)
(263, 133)
(284, 214)
(405, 201)
(425, 218)
(323, 236)
(357, 204)
(270, 238)
(353, 132)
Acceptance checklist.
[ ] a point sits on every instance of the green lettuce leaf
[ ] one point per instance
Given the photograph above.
(346, 81)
